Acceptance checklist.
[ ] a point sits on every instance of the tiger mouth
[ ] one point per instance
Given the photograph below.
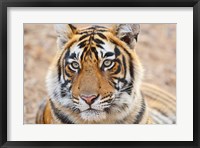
(91, 110)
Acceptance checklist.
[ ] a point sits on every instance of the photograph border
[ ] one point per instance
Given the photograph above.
(98, 3)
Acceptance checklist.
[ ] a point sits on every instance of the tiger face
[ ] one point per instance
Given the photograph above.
(96, 73)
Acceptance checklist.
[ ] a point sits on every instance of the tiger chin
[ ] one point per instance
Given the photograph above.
(95, 78)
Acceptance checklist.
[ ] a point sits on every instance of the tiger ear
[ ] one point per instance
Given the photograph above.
(128, 33)
(64, 33)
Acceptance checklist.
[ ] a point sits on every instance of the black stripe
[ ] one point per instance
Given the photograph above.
(86, 32)
(117, 51)
(140, 113)
(101, 54)
(70, 87)
(118, 70)
(66, 57)
(129, 88)
(67, 74)
(124, 63)
(73, 56)
(98, 41)
(65, 83)
(93, 49)
(72, 27)
(63, 68)
(59, 69)
(102, 30)
(131, 69)
(118, 61)
(90, 28)
(67, 54)
(97, 26)
(98, 45)
(82, 44)
(64, 91)
(123, 80)
(83, 37)
(108, 54)
(61, 116)
(59, 63)
(114, 84)
(102, 36)
(88, 53)
(83, 53)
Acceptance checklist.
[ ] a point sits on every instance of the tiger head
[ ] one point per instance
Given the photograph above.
(96, 73)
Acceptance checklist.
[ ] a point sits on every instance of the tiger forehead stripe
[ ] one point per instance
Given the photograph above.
(95, 30)
(96, 27)
(93, 37)
(91, 32)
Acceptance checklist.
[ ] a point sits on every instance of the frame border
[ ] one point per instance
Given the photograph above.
(99, 3)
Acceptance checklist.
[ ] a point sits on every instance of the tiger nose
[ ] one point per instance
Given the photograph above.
(89, 99)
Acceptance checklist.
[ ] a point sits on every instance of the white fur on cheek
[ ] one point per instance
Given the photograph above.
(126, 98)
(54, 89)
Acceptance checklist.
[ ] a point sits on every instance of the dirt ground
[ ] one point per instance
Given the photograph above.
(156, 48)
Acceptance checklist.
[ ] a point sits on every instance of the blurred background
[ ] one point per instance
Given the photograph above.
(156, 48)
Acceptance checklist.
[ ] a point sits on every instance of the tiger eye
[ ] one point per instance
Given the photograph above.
(107, 63)
(75, 65)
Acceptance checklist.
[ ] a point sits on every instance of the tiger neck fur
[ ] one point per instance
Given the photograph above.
(137, 114)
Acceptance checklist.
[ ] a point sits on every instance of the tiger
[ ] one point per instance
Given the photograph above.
(96, 77)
